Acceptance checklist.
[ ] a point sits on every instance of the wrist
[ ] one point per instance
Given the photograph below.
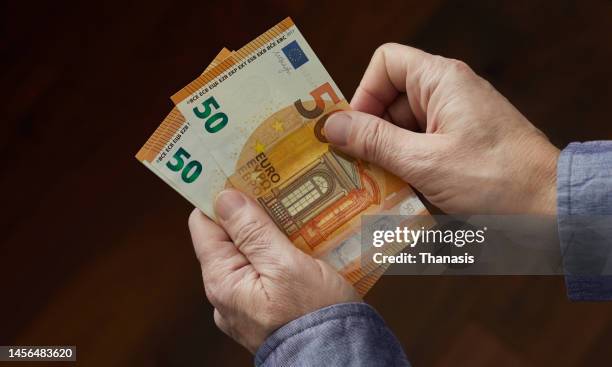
(544, 181)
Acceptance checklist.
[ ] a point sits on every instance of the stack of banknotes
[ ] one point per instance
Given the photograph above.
(253, 120)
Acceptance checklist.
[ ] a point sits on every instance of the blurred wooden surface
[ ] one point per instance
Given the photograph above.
(95, 249)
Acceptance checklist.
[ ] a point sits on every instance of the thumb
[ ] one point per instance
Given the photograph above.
(368, 137)
(253, 231)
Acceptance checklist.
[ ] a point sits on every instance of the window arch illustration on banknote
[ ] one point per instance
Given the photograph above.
(316, 201)
(305, 193)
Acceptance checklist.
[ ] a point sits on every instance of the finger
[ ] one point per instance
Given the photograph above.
(375, 140)
(252, 230)
(395, 69)
(216, 253)
(400, 113)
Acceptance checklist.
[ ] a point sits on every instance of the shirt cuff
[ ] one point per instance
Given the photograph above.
(343, 334)
(584, 198)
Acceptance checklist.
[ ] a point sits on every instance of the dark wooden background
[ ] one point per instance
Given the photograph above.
(95, 250)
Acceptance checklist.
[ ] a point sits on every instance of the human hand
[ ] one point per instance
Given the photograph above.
(254, 276)
(440, 127)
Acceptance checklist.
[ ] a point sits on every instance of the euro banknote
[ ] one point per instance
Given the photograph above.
(254, 121)
(165, 130)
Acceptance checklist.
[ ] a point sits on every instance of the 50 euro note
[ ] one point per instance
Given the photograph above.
(173, 121)
(255, 122)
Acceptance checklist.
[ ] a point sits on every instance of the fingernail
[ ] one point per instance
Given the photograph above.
(228, 202)
(338, 128)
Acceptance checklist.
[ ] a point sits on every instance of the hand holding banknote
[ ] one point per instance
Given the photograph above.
(254, 121)
(436, 124)
(254, 276)
(479, 153)
(267, 132)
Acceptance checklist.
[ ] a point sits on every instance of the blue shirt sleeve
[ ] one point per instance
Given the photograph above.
(346, 334)
(584, 196)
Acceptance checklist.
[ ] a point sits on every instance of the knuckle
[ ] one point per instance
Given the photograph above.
(380, 49)
(385, 47)
(253, 233)
(486, 86)
(458, 67)
(374, 139)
